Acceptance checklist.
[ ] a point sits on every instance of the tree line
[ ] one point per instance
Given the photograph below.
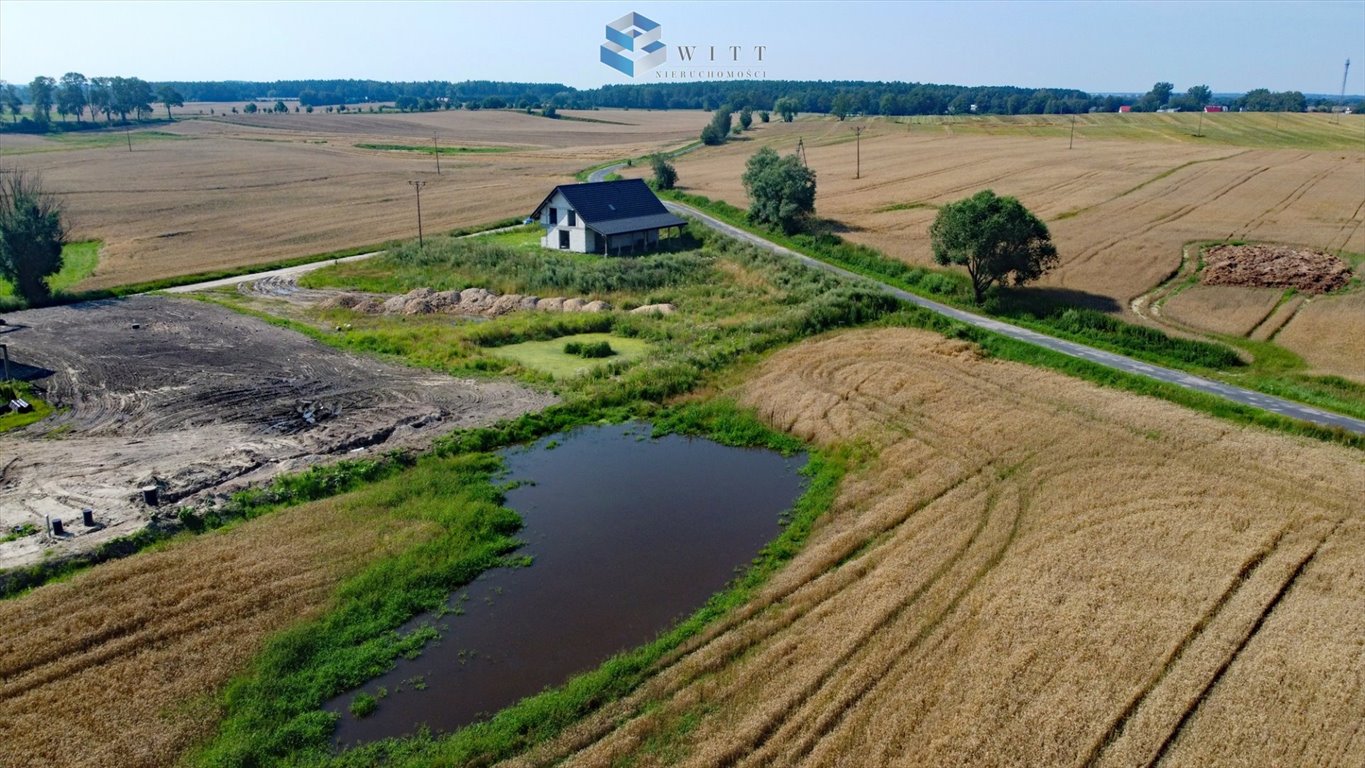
(75, 95)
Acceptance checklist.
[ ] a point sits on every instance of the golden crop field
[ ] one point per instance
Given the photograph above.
(227, 191)
(118, 666)
(1027, 570)
(1232, 309)
(1120, 205)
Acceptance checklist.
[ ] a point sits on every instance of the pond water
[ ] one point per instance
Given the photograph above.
(628, 534)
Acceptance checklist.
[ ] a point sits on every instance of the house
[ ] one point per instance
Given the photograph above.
(1126, 108)
(608, 217)
(1213, 108)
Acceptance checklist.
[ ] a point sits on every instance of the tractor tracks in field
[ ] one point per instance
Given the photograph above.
(1145, 730)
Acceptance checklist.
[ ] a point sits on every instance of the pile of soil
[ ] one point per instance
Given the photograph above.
(470, 301)
(1274, 266)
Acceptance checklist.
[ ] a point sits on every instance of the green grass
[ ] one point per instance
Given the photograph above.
(78, 263)
(1260, 130)
(430, 150)
(10, 420)
(112, 138)
(549, 356)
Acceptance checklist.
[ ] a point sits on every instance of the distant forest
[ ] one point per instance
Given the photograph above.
(74, 94)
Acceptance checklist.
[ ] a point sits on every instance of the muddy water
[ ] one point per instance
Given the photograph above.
(628, 534)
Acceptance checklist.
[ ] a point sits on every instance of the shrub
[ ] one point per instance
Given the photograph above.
(363, 705)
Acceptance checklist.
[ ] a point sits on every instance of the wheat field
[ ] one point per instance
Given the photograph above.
(118, 666)
(1026, 570)
(223, 192)
(1120, 205)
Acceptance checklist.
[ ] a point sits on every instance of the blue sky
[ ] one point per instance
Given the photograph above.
(1093, 46)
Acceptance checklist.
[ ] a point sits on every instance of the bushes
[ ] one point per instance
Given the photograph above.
(590, 350)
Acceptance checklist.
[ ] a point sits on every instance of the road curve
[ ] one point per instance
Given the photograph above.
(1108, 359)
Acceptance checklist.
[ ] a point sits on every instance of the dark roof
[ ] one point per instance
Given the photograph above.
(637, 223)
(599, 202)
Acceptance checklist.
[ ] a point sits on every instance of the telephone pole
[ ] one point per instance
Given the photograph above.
(437, 149)
(858, 141)
(1072, 141)
(417, 185)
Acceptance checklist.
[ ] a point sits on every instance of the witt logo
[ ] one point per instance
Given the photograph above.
(633, 46)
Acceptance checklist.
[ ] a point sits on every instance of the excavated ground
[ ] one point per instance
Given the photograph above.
(200, 401)
(1274, 266)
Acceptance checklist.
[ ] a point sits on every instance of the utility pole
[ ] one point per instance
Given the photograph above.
(1341, 101)
(417, 185)
(858, 140)
(1072, 142)
(437, 149)
(128, 132)
(1199, 131)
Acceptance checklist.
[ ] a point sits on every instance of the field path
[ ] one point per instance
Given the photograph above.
(1070, 348)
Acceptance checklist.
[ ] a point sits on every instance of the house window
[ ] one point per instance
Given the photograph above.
(573, 217)
(554, 216)
(563, 238)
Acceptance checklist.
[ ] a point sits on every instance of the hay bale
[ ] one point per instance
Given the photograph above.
(596, 306)
(573, 305)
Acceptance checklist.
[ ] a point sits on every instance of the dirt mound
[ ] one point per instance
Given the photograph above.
(1274, 266)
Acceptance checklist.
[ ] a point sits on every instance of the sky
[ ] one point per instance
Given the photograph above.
(1231, 46)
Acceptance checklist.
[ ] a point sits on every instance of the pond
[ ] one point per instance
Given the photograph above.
(628, 534)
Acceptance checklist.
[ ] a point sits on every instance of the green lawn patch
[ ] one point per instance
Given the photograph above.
(78, 263)
(13, 420)
(427, 149)
(549, 356)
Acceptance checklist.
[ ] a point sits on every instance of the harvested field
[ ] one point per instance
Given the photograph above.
(200, 400)
(1028, 570)
(1274, 266)
(228, 191)
(1227, 309)
(118, 666)
(1119, 210)
(1327, 331)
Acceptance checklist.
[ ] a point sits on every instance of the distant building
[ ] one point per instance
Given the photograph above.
(1126, 108)
(608, 217)
(1214, 108)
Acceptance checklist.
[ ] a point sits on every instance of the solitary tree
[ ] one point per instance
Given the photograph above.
(169, 97)
(665, 175)
(250, 108)
(995, 238)
(746, 118)
(31, 234)
(787, 108)
(781, 190)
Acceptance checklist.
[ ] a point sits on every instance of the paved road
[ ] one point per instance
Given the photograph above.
(283, 272)
(1071, 348)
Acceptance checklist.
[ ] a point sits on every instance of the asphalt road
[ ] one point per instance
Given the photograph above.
(1108, 359)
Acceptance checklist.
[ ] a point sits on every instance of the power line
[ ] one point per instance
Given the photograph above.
(417, 185)
(858, 140)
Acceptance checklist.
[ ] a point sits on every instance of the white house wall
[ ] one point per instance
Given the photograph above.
(578, 234)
